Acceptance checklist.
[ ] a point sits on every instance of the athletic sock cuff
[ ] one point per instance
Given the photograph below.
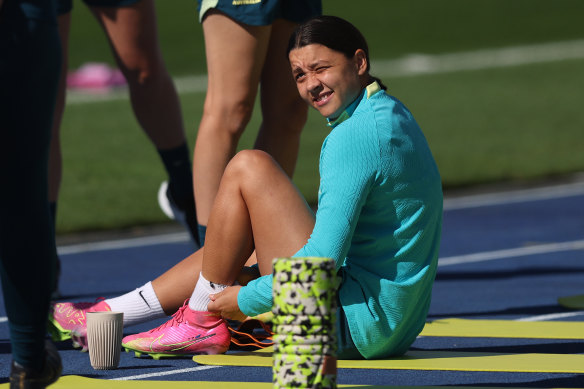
(138, 306)
(200, 297)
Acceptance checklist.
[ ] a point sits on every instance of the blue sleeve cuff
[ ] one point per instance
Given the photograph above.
(256, 297)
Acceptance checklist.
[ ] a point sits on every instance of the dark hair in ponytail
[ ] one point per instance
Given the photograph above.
(333, 32)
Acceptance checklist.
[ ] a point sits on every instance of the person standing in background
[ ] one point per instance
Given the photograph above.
(29, 71)
(245, 47)
(131, 29)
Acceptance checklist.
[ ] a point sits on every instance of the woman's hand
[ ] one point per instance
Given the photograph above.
(225, 302)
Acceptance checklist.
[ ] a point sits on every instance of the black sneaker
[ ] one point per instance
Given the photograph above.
(25, 378)
(183, 212)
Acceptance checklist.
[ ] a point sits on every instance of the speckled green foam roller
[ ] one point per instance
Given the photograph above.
(305, 303)
(304, 286)
(306, 371)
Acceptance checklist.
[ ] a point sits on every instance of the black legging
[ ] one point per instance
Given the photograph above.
(30, 56)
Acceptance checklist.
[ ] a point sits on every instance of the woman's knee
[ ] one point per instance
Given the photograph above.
(143, 72)
(249, 165)
(229, 116)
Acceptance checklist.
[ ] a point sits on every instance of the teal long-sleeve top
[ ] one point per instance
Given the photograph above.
(380, 218)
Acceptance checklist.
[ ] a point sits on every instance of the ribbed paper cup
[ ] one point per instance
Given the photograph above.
(305, 303)
(104, 339)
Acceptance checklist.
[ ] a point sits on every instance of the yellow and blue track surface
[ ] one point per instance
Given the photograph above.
(495, 319)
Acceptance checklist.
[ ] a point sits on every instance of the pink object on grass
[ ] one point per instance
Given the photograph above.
(95, 75)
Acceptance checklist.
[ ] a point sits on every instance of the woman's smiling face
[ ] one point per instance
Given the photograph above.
(326, 79)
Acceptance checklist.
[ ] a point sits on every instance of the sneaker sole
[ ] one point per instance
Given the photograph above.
(157, 356)
(58, 333)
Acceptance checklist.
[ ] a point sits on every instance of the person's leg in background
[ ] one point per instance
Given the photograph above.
(55, 160)
(132, 32)
(55, 156)
(283, 111)
(252, 39)
(235, 55)
(29, 71)
(133, 35)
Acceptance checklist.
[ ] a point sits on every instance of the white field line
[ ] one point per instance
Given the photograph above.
(552, 316)
(407, 66)
(163, 373)
(514, 196)
(124, 243)
(416, 64)
(478, 200)
(512, 253)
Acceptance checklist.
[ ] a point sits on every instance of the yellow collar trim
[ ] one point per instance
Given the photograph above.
(370, 89)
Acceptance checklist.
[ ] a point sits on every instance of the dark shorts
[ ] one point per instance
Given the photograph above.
(262, 12)
(65, 6)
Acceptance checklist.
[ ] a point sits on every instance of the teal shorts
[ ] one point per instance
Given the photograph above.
(262, 12)
(65, 6)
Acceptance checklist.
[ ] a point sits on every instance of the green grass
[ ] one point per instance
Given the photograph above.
(504, 124)
(483, 126)
(392, 27)
(516, 123)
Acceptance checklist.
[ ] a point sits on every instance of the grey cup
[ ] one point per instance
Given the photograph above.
(104, 339)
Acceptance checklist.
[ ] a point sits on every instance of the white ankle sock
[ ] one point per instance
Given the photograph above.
(200, 297)
(139, 306)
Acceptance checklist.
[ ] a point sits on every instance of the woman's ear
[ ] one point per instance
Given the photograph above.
(360, 60)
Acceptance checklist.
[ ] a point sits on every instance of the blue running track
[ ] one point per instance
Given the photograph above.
(504, 255)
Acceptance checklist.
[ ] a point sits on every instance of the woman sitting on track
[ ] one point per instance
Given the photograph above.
(379, 217)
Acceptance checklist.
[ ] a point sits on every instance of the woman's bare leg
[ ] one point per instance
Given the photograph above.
(177, 284)
(133, 37)
(235, 55)
(257, 207)
(283, 111)
(132, 32)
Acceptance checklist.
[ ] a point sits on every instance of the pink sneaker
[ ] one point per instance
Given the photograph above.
(187, 333)
(68, 320)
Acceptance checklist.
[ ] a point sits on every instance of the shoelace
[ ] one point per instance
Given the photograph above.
(245, 334)
(177, 318)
